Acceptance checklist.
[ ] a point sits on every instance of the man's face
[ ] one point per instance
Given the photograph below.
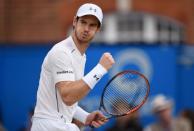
(164, 114)
(85, 28)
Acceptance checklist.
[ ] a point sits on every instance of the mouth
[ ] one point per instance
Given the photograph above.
(85, 35)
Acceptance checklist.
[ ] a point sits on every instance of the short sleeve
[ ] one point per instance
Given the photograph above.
(61, 66)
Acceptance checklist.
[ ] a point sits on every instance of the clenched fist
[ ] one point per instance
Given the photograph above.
(107, 60)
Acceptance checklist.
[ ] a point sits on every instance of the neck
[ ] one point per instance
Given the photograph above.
(81, 46)
(166, 123)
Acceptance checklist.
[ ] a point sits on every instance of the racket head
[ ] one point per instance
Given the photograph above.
(125, 93)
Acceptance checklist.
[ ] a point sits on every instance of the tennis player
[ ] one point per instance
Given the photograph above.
(62, 82)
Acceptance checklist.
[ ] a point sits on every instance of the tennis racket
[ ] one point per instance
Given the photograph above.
(125, 93)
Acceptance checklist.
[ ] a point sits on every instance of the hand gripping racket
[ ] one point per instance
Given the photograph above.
(125, 93)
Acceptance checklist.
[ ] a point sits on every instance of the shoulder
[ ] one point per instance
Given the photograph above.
(60, 53)
(182, 122)
(62, 46)
(152, 127)
(61, 49)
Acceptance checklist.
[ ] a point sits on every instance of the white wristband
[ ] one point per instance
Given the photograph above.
(81, 115)
(94, 75)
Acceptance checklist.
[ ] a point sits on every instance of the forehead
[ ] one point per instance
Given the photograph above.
(89, 18)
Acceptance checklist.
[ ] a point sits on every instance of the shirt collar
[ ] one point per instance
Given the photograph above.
(74, 48)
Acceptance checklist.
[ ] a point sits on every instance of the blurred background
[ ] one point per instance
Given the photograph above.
(154, 37)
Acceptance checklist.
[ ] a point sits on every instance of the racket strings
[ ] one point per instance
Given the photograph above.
(115, 109)
(124, 93)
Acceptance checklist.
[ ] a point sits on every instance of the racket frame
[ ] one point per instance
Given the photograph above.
(137, 107)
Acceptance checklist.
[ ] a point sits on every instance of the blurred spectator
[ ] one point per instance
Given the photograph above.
(127, 123)
(29, 121)
(188, 114)
(162, 109)
(1, 127)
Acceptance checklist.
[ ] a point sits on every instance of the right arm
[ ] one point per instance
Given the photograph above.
(73, 91)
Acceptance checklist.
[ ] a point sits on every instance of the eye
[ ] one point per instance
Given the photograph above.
(93, 25)
(83, 22)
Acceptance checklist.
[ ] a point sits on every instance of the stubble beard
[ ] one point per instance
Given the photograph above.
(81, 40)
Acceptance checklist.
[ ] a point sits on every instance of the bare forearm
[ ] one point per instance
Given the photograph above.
(72, 91)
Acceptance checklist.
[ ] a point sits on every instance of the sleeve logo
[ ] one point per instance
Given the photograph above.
(65, 72)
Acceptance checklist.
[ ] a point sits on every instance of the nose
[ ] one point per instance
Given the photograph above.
(86, 28)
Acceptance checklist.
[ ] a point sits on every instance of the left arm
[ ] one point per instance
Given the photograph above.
(95, 118)
(81, 115)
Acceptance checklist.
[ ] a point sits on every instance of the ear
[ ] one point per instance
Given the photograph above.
(98, 29)
(74, 21)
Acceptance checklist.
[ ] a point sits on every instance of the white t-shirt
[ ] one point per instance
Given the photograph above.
(62, 63)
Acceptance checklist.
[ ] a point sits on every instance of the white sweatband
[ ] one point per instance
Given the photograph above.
(81, 115)
(94, 75)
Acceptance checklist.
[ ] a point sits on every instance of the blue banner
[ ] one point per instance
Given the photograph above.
(20, 70)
